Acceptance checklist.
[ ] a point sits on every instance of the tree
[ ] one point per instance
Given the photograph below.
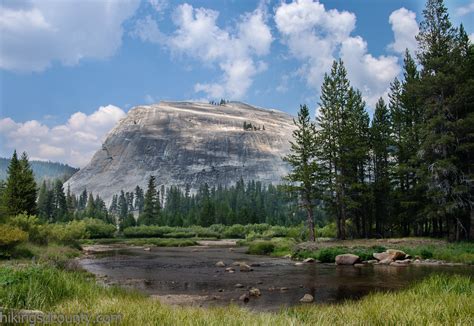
(381, 142)
(20, 191)
(151, 206)
(448, 189)
(305, 170)
(331, 120)
(60, 212)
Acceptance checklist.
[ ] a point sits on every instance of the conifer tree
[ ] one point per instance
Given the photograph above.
(151, 207)
(381, 142)
(304, 175)
(59, 201)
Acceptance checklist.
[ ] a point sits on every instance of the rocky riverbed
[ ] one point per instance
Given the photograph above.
(221, 274)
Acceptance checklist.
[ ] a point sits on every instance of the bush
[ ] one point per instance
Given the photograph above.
(68, 233)
(327, 231)
(235, 231)
(99, 229)
(426, 254)
(261, 247)
(144, 231)
(37, 232)
(10, 236)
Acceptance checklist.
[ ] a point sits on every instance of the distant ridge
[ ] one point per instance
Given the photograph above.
(43, 170)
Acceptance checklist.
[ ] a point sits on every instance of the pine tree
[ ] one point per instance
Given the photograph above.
(45, 203)
(151, 207)
(90, 206)
(305, 170)
(20, 191)
(331, 121)
(60, 212)
(381, 142)
(447, 188)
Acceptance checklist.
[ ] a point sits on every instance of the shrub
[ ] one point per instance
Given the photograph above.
(235, 231)
(327, 231)
(425, 253)
(261, 247)
(37, 232)
(10, 236)
(69, 232)
(144, 231)
(328, 255)
(99, 229)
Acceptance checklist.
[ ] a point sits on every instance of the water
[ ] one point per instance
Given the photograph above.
(175, 272)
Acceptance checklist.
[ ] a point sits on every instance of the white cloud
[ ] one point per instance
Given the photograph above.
(158, 5)
(465, 10)
(316, 36)
(370, 74)
(38, 33)
(471, 37)
(235, 52)
(73, 142)
(405, 28)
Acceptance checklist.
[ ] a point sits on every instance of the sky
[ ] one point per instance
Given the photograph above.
(70, 70)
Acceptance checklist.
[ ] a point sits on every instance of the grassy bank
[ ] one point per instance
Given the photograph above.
(159, 242)
(327, 250)
(437, 300)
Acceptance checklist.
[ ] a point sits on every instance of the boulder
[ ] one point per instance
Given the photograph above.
(147, 249)
(385, 261)
(307, 298)
(381, 255)
(347, 259)
(239, 286)
(308, 260)
(396, 254)
(229, 269)
(254, 292)
(220, 264)
(299, 264)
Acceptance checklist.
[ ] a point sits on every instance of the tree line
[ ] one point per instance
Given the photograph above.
(409, 169)
(242, 203)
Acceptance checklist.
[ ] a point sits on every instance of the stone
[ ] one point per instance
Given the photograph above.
(381, 255)
(287, 256)
(191, 143)
(147, 249)
(371, 261)
(255, 292)
(308, 260)
(239, 286)
(307, 298)
(245, 268)
(283, 289)
(244, 297)
(229, 269)
(396, 254)
(220, 264)
(347, 259)
(299, 263)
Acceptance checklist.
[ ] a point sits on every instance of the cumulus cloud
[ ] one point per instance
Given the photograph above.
(405, 28)
(235, 52)
(316, 36)
(37, 33)
(466, 9)
(73, 142)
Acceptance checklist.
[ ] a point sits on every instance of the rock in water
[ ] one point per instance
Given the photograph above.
(188, 143)
(220, 264)
(307, 298)
(347, 259)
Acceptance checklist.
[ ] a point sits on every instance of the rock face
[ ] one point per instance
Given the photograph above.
(187, 143)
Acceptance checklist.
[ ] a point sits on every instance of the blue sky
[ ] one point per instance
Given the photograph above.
(70, 70)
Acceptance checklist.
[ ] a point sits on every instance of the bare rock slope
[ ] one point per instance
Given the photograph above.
(188, 143)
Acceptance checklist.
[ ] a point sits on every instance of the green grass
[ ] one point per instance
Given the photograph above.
(462, 252)
(438, 300)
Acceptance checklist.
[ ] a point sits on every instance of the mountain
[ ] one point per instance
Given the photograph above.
(189, 143)
(43, 170)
